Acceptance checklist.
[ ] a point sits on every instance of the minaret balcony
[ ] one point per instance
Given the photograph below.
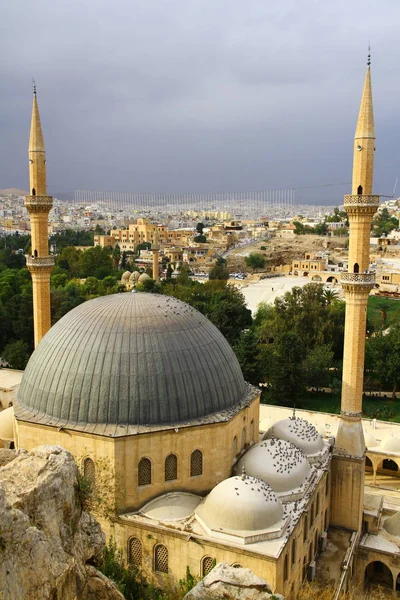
(362, 279)
(40, 261)
(361, 201)
(38, 203)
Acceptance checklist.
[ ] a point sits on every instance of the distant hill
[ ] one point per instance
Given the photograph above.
(14, 191)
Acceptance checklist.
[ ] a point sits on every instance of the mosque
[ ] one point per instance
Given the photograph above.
(149, 397)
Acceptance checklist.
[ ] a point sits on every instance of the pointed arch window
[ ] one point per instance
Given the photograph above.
(196, 463)
(161, 558)
(135, 551)
(144, 472)
(360, 190)
(243, 439)
(171, 467)
(251, 431)
(89, 472)
(206, 565)
(234, 448)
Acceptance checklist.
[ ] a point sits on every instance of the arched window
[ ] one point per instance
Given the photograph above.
(243, 438)
(285, 569)
(161, 558)
(237, 566)
(305, 530)
(251, 431)
(144, 471)
(234, 448)
(293, 552)
(316, 543)
(360, 190)
(327, 486)
(356, 268)
(196, 463)
(171, 467)
(206, 565)
(326, 520)
(33, 192)
(368, 462)
(135, 551)
(89, 472)
(317, 506)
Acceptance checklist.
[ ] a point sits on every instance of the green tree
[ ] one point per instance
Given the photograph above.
(249, 354)
(219, 271)
(316, 366)
(383, 307)
(16, 354)
(200, 239)
(93, 260)
(286, 377)
(255, 261)
(199, 228)
(383, 354)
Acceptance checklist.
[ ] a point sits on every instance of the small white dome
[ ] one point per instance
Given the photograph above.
(299, 432)
(370, 440)
(277, 462)
(241, 504)
(134, 276)
(7, 424)
(390, 443)
(144, 277)
(125, 276)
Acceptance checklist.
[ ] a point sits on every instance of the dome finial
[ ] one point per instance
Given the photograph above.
(369, 56)
(243, 476)
(294, 411)
(34, 86)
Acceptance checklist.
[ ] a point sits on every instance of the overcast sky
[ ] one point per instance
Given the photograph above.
(198, 95)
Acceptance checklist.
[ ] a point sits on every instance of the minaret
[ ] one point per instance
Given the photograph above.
(349, 453)
(156, 248)
(39, 206)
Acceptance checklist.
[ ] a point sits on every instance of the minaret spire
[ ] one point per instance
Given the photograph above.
(349, 454)
(39, 205)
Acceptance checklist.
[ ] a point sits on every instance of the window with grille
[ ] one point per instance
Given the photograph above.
(293, 552)
(161, 558)
(171, 467)
(89, 472)
(196, 463)
(206, 565)
(251, 431)
(305, 530)
(135, 551)
(243, 439)
(234, 448)
(144, 471)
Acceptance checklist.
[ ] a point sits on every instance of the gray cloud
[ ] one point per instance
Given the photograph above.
(206, 95)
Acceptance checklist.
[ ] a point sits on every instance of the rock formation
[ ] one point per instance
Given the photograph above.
(45, 537)
(231, 583)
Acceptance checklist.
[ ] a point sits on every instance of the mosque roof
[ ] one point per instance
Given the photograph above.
(299, 432)
(390, 443)
(126, 360)
(241, 503)
(277, 462)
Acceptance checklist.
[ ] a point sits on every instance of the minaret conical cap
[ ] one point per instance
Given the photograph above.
(365, 124)
(36, 141)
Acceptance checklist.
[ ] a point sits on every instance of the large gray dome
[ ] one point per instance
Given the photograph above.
(130, 359)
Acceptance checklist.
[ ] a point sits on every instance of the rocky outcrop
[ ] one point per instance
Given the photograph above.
(6, 456)
(45, 537)
(231, 583)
